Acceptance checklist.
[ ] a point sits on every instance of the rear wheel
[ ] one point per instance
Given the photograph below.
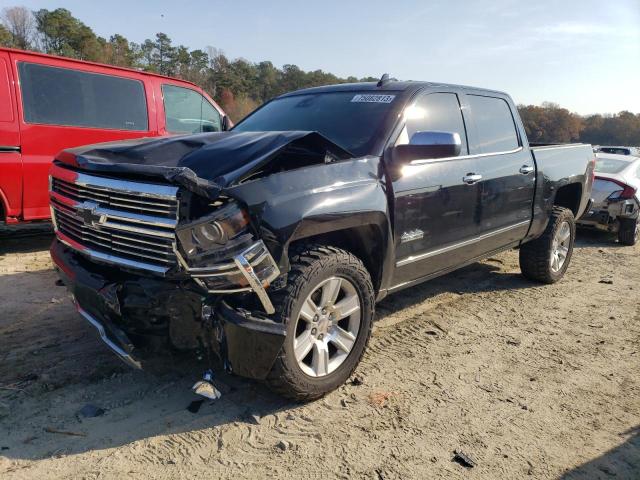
(328, 306)
(547, 258)
(629, 231)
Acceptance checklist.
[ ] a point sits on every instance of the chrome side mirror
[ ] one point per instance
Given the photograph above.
(426, 145)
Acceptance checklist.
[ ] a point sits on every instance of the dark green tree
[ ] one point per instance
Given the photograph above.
(63, 34)
(163, 54)
(119, 52)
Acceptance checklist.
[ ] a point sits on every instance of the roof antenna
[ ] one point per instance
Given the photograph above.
(385, 79)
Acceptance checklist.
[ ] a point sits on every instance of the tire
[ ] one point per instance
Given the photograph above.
(629, 231)
(536, 256)
(313, 268)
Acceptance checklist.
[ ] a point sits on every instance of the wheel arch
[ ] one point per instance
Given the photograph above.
(569, 196)
(366, 240)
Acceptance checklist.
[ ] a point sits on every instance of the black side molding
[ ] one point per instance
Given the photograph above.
(8, 148)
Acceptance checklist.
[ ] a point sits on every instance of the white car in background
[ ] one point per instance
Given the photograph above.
(616, 197)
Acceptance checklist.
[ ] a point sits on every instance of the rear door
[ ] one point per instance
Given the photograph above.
(10, 158)
(507, 186)
(435, 208)
(67, 104)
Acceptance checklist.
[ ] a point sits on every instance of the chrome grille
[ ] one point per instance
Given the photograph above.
(125, 223)
(117, 199)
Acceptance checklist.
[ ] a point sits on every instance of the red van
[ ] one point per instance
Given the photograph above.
(49, 103)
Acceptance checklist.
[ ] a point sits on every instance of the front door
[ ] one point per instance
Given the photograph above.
(435, 199)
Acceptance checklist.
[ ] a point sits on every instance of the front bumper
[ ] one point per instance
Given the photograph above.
(126, 309)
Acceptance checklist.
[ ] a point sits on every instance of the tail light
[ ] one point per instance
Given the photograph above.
(626, 192)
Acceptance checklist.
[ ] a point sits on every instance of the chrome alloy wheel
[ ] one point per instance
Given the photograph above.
(560, 247)
(327, 327)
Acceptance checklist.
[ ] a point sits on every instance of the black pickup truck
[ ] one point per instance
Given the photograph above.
(270, 244)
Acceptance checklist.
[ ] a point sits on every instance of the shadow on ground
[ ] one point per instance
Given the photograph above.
(623, 458)
(29, 241)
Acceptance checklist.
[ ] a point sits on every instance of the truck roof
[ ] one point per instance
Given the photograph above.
(406, 86)
(85, 62)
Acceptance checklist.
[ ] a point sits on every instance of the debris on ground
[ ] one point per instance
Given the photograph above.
(206, 388)
(357, 380)
(606, 281)
(91, 411)
(64, 432)
(379, 399)
(463, 459)
(251, 417)
(283, 445)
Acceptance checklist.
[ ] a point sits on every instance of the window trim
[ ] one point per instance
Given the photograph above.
(472, 115)
(88, 72)
(164, 108)
(473, 155)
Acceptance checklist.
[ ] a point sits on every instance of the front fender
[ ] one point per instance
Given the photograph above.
(311, 201)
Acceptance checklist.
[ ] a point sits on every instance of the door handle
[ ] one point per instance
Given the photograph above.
(526, 169)
(471, 178)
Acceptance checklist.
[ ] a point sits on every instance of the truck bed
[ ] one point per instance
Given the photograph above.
(559, 164)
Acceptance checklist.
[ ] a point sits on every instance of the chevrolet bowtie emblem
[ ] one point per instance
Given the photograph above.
(88, 213)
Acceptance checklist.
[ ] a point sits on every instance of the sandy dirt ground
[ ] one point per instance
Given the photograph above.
(529, 381)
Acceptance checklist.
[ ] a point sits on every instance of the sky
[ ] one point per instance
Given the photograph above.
(582, 54)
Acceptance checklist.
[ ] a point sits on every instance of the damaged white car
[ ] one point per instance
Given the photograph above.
(616, 197)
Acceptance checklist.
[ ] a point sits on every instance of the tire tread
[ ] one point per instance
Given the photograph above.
(627, 232)
(534, 255)
(306, 262)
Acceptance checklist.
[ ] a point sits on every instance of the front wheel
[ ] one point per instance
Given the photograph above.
(547, 258)
(629, 232)
(328, 306)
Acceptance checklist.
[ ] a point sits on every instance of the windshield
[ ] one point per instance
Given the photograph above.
(349, 119)
(607, 165)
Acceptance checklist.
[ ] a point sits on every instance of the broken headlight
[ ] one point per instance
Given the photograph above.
(222, 255)
(216, 236)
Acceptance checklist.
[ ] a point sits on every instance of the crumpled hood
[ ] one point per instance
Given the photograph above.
(204, 163)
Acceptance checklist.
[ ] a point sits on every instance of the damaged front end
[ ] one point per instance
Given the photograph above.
(222, 255)
(161, 266)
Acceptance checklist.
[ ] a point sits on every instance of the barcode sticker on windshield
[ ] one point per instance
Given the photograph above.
(373, 98)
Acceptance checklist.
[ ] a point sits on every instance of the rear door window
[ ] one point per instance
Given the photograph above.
(494, 124)
(186, 111)
(62, 96)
